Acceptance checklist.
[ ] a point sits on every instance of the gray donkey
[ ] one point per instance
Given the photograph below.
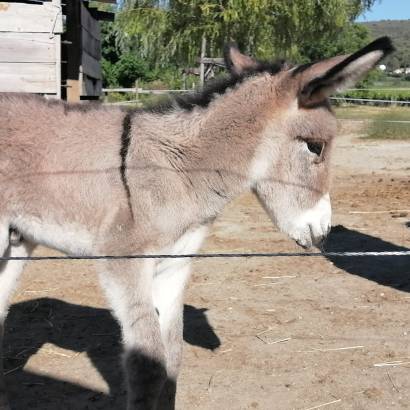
(101, 180)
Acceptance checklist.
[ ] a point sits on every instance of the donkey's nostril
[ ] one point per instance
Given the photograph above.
(303, 244)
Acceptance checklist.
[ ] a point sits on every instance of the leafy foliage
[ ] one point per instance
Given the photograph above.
(348, 40)
(261, 27)
(162, 36)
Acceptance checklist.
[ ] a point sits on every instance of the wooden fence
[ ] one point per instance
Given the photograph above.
(137, 91)
(30, 47)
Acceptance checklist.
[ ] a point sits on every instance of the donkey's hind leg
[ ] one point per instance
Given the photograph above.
(9, 273)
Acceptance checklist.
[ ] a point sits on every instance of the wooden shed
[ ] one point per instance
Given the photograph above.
(51, 48)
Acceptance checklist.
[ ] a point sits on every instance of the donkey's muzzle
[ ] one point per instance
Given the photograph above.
(312, 226)
(307, 242)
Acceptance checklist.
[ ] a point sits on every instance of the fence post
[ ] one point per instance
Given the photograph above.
(202, 67)
(136, 90)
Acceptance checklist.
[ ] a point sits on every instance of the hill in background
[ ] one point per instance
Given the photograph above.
(399, 31)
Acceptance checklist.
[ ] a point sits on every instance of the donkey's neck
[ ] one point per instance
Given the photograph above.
(212, 148)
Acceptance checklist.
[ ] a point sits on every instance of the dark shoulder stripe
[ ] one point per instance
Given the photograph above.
(125, 145)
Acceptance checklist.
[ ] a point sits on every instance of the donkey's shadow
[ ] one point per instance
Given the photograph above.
(78, 329)
(392, 271)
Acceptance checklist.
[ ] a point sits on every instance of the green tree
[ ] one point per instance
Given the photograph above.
(347, 40)
(172, 34)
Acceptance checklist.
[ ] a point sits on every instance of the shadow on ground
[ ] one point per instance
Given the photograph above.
(94, 332)
(79, 329)
(393, 271)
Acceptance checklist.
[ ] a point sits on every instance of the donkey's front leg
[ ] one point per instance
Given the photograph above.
(128, 284)
(168, 288)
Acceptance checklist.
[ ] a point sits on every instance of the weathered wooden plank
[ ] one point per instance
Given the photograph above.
(91, 87)
(102, 15)
(90, 66)
(27, 48)
(30, 18)
(73, 51)
(57, 66)
(28, 77)
(107, 1)
(91, 45)
(73, 90)
(208, 60)
(89, 23)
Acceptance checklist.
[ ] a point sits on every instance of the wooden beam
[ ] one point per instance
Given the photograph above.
(73, 90)
(27, 48)
(90, 66)
(102, 15)
(202, 66)
(89, 23)
(30, 18)
(208, 60)
(107, 1)
(91, 45)
(91, 87)
(28, 78)
(73, 50)
(57, 48)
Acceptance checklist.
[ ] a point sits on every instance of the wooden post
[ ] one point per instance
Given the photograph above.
(136, 90)
(57, 43)
(73, 35)
(202, 67)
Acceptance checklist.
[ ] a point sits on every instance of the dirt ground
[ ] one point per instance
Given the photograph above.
(282, 333)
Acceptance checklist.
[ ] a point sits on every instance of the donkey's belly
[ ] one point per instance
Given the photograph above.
(70, 238)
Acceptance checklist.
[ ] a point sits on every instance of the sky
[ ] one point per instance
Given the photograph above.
(388, 10)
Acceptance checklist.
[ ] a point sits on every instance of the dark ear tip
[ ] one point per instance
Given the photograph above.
(228, 47)
(383, 43)
(230, 44)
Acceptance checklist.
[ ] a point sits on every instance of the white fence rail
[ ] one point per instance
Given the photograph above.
(138, 90)
(370, 100)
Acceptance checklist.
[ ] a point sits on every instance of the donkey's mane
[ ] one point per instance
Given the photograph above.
(215, 88)
(187, 102)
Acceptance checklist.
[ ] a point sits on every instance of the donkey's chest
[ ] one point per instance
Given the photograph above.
(189, 243)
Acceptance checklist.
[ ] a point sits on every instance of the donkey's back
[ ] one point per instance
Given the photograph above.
(45, 135)
(51, 156)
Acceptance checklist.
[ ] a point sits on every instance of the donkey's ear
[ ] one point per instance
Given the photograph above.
(334, 75)
(236, 62)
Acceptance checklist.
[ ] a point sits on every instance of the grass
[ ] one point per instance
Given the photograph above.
(376, 121)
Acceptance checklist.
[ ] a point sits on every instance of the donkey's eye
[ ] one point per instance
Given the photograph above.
(316, 147)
